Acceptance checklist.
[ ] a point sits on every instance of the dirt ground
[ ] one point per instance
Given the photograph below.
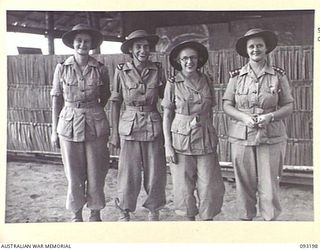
(36, 193)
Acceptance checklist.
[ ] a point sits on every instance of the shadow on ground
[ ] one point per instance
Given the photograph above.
(36, 193)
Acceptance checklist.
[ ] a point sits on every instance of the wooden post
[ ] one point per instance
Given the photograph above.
(50, 30)
(94, 22)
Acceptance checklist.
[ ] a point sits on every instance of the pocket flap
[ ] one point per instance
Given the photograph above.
(152, 85)
(132, 85)
(128, 116)
(66, 115)
(180, 127)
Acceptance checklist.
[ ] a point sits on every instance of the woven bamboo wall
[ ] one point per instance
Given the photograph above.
(29, 104)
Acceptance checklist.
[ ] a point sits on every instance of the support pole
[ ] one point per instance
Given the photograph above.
(50, 31)
(94, 22)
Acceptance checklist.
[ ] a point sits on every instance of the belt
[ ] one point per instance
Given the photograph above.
(198, 117)
(256, 110)
(141, 108)
(80, 105)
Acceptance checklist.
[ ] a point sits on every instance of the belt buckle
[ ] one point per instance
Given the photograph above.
(78, 104)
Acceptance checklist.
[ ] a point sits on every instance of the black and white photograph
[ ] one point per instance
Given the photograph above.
(183, 118)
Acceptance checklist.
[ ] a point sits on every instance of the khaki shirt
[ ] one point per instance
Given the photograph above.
(84, 118)
(258, 95)
(192, 128)
(141, 120)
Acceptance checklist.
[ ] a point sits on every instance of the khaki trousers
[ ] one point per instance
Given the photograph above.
(86, 165)
(257, 171)
(137, 158)
(200, 173)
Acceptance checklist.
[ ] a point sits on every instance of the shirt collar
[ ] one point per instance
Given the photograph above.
(91, 62)
(246, 68)
(129, 66)
(179, 77)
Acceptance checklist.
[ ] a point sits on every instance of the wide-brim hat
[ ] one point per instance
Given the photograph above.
(269, 37)
(96, 35)
(201, 50)
(138, 35)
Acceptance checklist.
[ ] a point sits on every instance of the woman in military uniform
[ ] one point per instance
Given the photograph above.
(79, 124)
(139, 83)
(257, 99)
(190, 138)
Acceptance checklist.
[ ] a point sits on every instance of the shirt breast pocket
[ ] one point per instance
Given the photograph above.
(241, 97)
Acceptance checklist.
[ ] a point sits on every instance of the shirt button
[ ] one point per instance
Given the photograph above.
(254, 92)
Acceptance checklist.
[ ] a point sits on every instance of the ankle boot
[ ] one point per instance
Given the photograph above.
(191, 218)
(77, 216)
(153, 215)
(95, 215)
(124, 215)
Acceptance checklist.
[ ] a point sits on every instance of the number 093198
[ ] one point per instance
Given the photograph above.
(308, 246)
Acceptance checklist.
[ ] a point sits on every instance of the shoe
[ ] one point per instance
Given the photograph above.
(95, 215)
(124, 215)
(153, 215)
(246, 219)
(77, 216)
(191, 218)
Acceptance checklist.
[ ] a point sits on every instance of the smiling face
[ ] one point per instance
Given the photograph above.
(256, 49)
(82, 43)
(188, 59)
(140, 50)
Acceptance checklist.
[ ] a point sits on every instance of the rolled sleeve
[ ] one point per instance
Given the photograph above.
(57, 82)
(168, 98)
(229, 93)
(105, 80)
(285, 95)
(162, 82)
(116, 89)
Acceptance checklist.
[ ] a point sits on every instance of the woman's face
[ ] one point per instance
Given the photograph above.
(82, 43)
(140, 50)
(188, 59)
(256, 49)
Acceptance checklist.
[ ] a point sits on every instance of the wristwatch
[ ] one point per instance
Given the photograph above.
(272, 117)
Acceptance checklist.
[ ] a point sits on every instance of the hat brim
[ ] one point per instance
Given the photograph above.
(201, 50)
(269, 37)
(96, 36)
(126, 45)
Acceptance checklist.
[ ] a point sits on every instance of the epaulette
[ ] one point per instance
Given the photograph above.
(234, 72)
(120, 66)
(172, 79)
(279, 70)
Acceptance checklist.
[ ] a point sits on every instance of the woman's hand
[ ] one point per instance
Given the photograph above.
(264, 120)
(114, 141)
(170, 154)
(55, 140)
(249, 120)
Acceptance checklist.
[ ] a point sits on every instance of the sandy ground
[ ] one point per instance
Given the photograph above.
(36, 193)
